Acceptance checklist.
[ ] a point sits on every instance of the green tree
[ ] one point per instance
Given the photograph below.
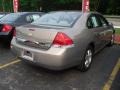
(102, 6)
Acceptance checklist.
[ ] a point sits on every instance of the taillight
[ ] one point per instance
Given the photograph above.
(62, 39)
(6, 28)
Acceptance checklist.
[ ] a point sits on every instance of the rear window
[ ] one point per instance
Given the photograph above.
(10, 17)
(60, 19)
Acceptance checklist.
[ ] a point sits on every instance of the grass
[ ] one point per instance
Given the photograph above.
(117, 31)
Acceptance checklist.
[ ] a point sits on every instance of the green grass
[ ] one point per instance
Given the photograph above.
(117, 31)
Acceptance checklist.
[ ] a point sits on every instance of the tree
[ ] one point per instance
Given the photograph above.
(102, 6)
(114, 7)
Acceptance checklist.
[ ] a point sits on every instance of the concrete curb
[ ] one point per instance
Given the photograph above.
(116, 26)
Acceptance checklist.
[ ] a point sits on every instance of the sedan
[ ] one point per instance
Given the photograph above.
(63, 39)
(10, 21)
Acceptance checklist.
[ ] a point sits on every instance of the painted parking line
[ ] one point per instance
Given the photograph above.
(108, 84)
(15, 61)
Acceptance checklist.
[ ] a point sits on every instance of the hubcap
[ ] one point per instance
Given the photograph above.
(88, 58)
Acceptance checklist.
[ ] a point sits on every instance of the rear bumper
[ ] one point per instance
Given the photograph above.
(54, 58)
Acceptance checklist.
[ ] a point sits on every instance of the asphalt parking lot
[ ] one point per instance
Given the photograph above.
(17, 75)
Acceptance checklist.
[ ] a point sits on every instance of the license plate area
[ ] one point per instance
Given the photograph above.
(27, 55)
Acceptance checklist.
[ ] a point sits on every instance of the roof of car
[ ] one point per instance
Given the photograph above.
(90, 12)
(4, 12)
(22, 13)
(27, 12)
(66, 11)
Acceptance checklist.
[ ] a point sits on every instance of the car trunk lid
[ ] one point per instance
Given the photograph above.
(35, 37)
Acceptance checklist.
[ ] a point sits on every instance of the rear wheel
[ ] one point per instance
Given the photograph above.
(87, 60)
(8, 41)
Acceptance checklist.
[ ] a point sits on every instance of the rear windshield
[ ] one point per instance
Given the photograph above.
(60, 19)
(10, 17)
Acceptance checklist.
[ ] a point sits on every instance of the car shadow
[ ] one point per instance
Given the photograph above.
(3, 46)
(40, 69)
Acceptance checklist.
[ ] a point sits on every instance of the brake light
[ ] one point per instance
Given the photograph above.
(62, 39)
(6, 28)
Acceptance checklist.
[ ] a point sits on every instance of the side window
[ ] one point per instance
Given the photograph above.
(92, 22)
(103, 21)
(89, 23)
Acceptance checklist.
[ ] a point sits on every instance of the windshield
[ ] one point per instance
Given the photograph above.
(1, 16)
(62, 19)
(10, 17)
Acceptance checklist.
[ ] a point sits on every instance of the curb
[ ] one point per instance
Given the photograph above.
(116, 26)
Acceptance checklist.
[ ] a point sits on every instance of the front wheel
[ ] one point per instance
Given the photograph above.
(87, 60)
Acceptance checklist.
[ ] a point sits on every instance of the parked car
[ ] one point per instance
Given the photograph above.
(63, 39)
(2, 14)
(10, 21)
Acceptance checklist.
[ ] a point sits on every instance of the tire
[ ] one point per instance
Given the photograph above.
(87, 60)
(7, 43)
(111, 43)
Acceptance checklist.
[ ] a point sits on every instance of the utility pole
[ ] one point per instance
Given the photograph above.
(15, 5)
(85, 6)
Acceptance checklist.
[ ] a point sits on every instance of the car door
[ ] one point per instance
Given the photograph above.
(94, 25)
(107, 29)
